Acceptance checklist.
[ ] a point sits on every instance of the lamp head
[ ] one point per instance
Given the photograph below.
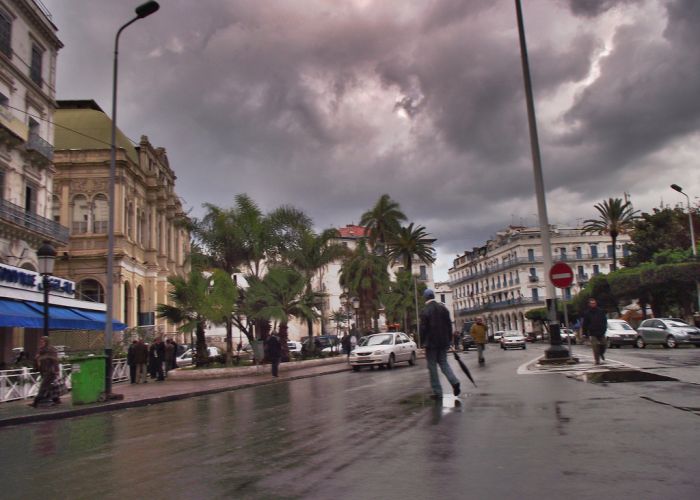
(46, 255)
(676, 187)
(146, 9)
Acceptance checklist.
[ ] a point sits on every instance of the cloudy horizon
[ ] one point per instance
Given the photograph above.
(327, 107)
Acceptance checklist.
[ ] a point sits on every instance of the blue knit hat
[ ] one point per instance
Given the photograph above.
(428, 294)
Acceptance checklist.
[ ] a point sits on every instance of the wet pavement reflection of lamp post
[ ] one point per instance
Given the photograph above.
(676, 187)
(46, 255)
(142, 11)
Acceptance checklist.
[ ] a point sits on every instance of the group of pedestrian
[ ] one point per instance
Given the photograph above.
(155, 360)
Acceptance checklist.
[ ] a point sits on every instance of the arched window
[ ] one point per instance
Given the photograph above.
(81, 212)
(100, 214)
(89, 289)
(56, 208)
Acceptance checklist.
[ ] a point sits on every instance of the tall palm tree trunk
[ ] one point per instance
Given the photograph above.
(613, 237)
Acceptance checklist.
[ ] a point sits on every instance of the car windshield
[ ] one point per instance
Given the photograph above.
(676, 322)
(619, 326)
(511, 334)
(380, 340)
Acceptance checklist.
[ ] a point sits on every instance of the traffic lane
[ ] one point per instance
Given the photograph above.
(372, 434)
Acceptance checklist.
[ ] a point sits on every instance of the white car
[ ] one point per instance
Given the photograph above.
(294, 348)
(185, 358)
(513, 338)
(619, 333)
(566, 334)
(497, 335)
(384, 349)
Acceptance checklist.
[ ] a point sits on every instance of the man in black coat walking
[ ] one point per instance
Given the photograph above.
(274, 352)
(595, 324)
(436, 333)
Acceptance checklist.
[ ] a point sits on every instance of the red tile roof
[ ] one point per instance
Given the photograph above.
(351, 231)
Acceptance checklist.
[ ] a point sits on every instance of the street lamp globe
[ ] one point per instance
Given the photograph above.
(46, 255)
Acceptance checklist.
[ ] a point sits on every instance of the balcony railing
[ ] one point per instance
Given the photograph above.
(37, 144)
(47, 228)
(503, 304)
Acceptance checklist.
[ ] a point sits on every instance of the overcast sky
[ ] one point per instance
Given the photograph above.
(327, 104)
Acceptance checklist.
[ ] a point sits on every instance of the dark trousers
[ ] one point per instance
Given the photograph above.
(275, 366)
(132, 373)
(160, 375)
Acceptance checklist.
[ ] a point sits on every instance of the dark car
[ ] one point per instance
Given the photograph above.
(468, 341)
(322, 341)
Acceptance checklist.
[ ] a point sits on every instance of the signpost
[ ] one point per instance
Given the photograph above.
(562, 276)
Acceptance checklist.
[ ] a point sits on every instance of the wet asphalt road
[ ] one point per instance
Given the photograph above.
(376, 435)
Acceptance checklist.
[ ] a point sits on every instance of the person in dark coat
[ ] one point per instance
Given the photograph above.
(46, 362)
(140, 361)
(274, 352)
(436, 333)
(168, 355)
(130, 361)
(595, 324)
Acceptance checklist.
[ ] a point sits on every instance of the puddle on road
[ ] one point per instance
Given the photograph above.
(618, 376)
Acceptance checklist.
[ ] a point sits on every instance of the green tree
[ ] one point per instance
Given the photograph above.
(196, 299)
(400, 300)
(615, 217)
(382, 221)
(408, 243)
(365, 276)
(663, 229)
(279, 295)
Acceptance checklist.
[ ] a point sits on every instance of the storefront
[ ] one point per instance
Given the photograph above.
(22, 310)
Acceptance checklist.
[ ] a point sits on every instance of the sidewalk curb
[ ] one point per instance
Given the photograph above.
(120, 405)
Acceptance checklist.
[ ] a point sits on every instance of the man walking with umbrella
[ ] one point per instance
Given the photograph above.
(436, 331)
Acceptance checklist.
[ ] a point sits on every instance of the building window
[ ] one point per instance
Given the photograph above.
(594, 251)
(56, 208)
(4, 100)
(100, 214)
(35, 67)
(30, 191)
(423, 273)
(567, 293)
(81, 211)
(562, 252)
(610, 251)
(580, 271)
(578, 252)
(535, 294)
(91, 290)
(530, 254)
(5, 33)
(442, 298)
(596, 269)
(129, 220)
(625, 250)
(533, 271)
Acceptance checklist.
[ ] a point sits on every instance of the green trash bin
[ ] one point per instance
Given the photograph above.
(87, 379)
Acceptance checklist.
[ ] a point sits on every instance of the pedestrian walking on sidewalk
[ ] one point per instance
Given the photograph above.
(479, 333)
(169, 355)
(140, 360)
(130, 361)
(46, 362)
(345, 342)
(595, 323)
(274, 352)
(436, 330)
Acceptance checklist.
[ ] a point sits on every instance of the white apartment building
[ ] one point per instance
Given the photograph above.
(505, 278)
(28, 49)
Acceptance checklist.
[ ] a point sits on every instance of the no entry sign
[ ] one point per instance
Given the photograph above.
(562, 275)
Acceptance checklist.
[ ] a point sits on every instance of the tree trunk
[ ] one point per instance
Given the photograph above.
(229, 341)
(613, 267)
(202, 352)
(284, 338)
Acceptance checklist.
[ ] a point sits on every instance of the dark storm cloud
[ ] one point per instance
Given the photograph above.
(328, 106)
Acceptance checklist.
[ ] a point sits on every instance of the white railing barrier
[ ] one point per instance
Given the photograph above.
(23, 383)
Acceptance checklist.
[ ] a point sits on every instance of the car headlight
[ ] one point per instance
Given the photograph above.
(378, 353)
(353, 354)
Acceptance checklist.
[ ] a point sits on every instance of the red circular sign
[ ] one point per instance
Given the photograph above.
(562, 275)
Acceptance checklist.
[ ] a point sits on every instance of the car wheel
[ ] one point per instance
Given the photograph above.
(412, 361)
(503, 347)
(610, 344)
(640, 343)
(524, 347)
(671, 342)
(391, 362)
(356, 368)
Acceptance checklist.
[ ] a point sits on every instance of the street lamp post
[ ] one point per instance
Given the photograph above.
(356, 307)
(676, 187)
(46, 255)
(556, 350)
(142, 11)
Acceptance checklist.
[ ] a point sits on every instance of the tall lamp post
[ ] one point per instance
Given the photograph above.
(46, 256)
(676, 187)
(142, 11)
(356, 307)
(556, 350)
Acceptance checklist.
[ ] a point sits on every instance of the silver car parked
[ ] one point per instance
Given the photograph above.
(669, 332)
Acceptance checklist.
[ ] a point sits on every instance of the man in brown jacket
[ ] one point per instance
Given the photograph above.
(140, 360)
(478, 332)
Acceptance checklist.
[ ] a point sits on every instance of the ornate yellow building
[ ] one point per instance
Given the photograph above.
(150, 244)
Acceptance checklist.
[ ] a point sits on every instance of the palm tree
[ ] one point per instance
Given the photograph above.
(615, 217)
(365, 276)
(196, 299)
(399, 300)
(382, 221)
(312, 255)
(279, 295)
(409, 242)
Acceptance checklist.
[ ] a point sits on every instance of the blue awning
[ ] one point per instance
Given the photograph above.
(29, 314)
(17, 313)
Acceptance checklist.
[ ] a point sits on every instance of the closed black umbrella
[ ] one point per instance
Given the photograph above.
(464, 367)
